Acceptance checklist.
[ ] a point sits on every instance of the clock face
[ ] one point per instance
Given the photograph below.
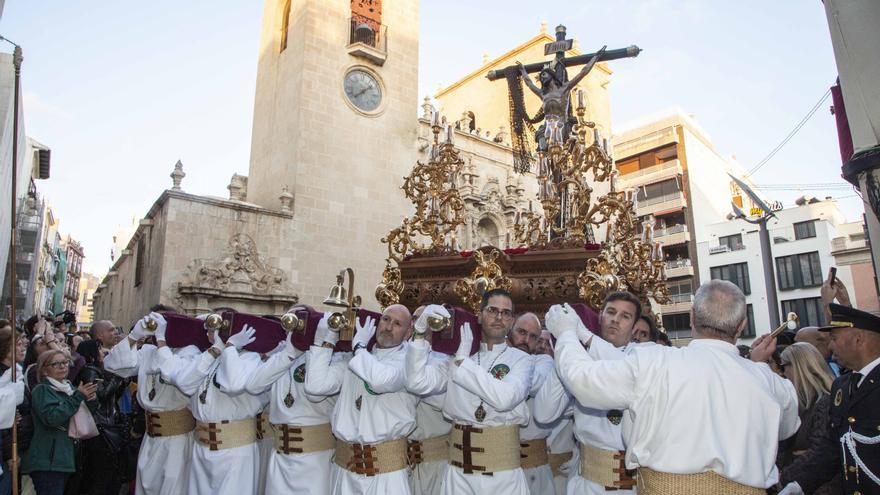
(363, 90)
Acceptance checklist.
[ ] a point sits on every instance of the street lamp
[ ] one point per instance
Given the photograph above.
(766, 254)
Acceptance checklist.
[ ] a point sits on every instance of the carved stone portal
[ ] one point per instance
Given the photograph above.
(239, 277)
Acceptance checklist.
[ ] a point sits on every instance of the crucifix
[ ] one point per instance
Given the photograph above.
(555, 94)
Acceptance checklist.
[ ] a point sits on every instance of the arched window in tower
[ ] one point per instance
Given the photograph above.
(285, 24)
(366, 22)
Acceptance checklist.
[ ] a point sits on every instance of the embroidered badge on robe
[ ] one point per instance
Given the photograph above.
(500, 371)
(299, 374)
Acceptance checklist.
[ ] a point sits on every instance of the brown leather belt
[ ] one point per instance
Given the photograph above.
(262, 423)
(432, 449)
(226, 434)
(292, 439)
(557, 460)
(169, 423)
(533, 453)
(656, 483)
(606, 468)
(370, 460)
(486, 449)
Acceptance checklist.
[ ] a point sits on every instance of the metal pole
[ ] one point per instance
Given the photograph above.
(16, 62)
(769, 273)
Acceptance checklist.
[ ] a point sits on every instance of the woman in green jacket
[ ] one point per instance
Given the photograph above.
(50, 459)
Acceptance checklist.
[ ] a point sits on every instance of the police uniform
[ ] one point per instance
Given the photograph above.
(852, 446)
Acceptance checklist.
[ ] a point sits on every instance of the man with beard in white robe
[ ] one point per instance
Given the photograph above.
(166, 449)
(697, 419)
(426, 373)
(300, 423)
(486, 399)
(524, 336)
(374, 413)
(225, 458)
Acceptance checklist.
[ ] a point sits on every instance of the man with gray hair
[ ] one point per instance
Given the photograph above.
(697, 419)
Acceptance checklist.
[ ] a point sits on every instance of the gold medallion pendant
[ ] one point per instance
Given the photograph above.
(288, 400)
(838, 397)
(480, 413)
(152, 394)
(614, 416)
(357, 403)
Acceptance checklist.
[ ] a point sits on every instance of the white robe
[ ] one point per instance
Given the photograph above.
(504, 401)
(11, 395)
(226, 471)
(426, 375)
(295, 474)
(387, 411)
(163, 462)
(540, 478)
(724, 412)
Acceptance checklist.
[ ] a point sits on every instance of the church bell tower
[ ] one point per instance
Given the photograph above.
(335, 124)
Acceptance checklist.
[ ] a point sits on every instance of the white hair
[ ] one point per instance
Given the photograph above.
(719, 308)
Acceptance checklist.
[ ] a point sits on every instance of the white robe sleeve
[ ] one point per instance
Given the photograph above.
(123, 359)
(552, 400)
(602, 349)
(382, 377)
(269, 372)
(503, 395)
(424, 378)
(784, 392)
(189, 376)
(542, 367)
(11, 395)
(606, 384)
(236, 369)
(322, 376)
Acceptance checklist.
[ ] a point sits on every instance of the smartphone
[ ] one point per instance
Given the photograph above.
(832, 275)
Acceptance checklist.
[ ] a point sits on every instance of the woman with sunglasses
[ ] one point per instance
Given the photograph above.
(50, 459)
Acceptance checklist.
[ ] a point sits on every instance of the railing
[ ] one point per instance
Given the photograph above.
(675, 229)
(361, 32)
(681, 298)
(677, 264)
(660, 199)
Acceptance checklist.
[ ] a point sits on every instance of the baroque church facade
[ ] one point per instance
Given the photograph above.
(337, 125)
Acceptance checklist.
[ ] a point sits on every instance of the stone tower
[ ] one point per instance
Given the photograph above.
(334, 124)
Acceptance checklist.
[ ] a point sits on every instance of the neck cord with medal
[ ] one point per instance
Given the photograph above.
(288, 399)
(152, 394)
(480, 412)
(212, 378)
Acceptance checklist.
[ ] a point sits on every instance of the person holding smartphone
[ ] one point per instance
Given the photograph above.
(102, 472)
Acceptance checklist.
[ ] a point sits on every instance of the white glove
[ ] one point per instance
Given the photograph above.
(792, 488)
(140, 330)
(289, 348)
(161, 326)
(363, 333)
(203, 316)
(323, 334)
(242, 338)
(560, 319)
(278, 348)
(584, 334)
(467, 340)
(421, 325)
(218, 342)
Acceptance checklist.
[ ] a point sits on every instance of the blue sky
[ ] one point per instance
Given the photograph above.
(120, 90)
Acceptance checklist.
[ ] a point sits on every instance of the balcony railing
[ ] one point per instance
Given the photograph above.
(675, 229)
(659, 199)
(367, 41)
(654, 169)
(677, 264)
(681, 298)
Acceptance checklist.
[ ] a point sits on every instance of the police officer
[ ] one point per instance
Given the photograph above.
(852, 446)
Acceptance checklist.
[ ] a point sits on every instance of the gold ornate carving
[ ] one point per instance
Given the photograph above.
(486, 276)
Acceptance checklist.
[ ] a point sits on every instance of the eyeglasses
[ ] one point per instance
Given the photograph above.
(59, 364)
(495, 312)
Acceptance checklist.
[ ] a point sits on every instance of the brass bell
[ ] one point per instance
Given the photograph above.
(337, 322)
(213, 322)
(439, 323)
(337, 295)
(291, 322)
(151, 324)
